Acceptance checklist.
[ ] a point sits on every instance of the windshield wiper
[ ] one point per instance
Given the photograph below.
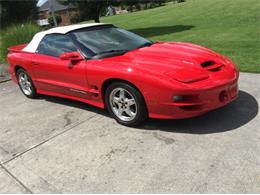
(113, 51)
(147, 44)
(110, 53)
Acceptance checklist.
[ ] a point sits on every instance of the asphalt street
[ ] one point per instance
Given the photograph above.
(55, 145)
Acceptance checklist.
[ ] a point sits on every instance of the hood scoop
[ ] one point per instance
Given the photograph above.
(211, 66)
(188, 76)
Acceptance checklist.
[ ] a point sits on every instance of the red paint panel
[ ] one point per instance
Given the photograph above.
(160, 72)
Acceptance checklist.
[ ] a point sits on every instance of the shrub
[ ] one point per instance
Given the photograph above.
(74, 17)
(15, 35)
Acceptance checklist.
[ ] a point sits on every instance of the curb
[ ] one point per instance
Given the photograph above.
(4, 74)
(4, 81)
(4, 78)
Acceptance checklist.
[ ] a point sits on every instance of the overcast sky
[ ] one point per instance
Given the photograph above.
(40, 2)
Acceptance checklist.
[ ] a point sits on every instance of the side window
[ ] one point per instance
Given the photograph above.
(55, 45)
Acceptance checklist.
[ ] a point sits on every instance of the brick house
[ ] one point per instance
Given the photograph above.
(59, 9)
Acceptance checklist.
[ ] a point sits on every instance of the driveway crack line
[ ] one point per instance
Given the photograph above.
(16, 179)
(47, 140)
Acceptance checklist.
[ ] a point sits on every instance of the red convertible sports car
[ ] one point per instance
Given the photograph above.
(132, 77)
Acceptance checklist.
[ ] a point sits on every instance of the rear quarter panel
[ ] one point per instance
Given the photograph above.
(21, 59)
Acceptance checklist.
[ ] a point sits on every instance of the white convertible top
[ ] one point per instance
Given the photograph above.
(33, 45)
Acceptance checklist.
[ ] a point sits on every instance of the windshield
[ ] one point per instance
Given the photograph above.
(108, 40)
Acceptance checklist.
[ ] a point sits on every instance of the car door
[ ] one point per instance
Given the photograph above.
(57, 75)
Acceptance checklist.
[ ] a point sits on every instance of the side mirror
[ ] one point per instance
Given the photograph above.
(72, 56)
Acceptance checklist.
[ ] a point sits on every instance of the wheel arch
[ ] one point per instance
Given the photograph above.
(17, 67)
(109, 81)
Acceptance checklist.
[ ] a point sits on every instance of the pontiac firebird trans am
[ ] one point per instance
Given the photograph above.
(130, 76)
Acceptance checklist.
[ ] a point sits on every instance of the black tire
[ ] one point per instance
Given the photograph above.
(141, 111)
(33, 93)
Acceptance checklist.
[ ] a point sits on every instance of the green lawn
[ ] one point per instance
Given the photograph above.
(230, 27)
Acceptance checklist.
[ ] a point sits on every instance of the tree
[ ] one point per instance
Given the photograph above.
(159, 2)
(58, 20)
(91, 10)
(17, 11)
(88, 9)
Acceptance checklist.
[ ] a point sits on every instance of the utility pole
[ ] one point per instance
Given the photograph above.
(52, 13)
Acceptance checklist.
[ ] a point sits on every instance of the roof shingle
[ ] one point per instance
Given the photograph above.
(56, 6)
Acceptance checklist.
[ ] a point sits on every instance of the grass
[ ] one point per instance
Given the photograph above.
(230, 27)
(15, 35)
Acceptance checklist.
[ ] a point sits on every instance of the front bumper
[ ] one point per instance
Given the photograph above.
(206, 100)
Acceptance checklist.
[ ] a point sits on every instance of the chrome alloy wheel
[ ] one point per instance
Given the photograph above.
(25, 83)
(123, 104)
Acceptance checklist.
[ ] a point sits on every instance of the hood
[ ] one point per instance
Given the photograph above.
(183, 62)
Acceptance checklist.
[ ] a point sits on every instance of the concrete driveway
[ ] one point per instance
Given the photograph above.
(54, 145)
